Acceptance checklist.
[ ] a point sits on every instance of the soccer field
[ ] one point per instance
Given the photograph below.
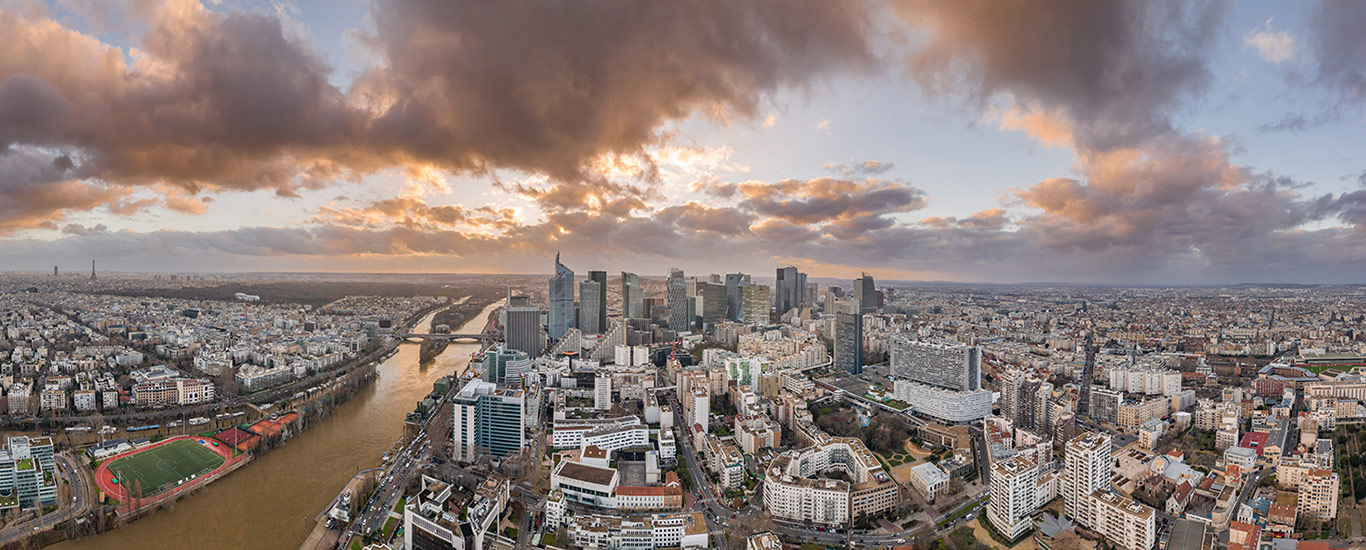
(164, 465)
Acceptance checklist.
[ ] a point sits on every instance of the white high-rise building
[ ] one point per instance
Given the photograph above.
(602, 391)
(1087, 471)
(1088, 500)
(1014, 496)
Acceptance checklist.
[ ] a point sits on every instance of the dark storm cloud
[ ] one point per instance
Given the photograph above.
(1340, 46)
(37, 189)
(213, 101)
(543, 86)
(1111, 68)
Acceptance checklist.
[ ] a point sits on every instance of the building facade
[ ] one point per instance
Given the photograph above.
(487, 420)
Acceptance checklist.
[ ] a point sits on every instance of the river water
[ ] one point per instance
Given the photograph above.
(271, 502)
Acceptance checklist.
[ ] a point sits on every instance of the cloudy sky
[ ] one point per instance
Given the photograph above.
(1152, 142)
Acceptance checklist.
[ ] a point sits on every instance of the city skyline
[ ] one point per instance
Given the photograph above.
(1130, 143)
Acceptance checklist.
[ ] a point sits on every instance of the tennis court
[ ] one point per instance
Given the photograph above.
(164, 466)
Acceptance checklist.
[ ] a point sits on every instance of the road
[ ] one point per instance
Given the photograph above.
(530, 500)
(78, 506)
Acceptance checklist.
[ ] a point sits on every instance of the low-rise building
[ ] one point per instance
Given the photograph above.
(929, 480)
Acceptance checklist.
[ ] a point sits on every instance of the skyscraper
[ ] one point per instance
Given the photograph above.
(713, 301)
(632, 297)
(590, 308)
(734, 298)
(849, 338)
(522, 330)
(754, 309)
(600, 298)
(678, 302)
(790, 289)
(561, 300)
(866, 292)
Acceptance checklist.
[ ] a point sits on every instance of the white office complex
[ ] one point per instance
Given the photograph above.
(792, 492)
(1014, 496)
(1089, 501)
(647, 532)
(947, 365)
(948, 405)
(570, 434)
(939, 380)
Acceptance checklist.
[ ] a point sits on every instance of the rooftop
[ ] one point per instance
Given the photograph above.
(590, 474)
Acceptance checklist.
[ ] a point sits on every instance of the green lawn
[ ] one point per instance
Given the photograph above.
(159, 468)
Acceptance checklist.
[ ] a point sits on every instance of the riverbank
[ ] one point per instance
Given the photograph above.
(273, 503)
(323, 536)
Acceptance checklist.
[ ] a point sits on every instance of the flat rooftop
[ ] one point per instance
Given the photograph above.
(590, 474)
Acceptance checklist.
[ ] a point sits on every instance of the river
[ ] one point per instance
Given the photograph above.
(271, 502)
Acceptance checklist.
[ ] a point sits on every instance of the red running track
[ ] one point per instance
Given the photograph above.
(104, 479)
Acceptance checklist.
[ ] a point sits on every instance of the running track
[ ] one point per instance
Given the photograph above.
(104, 479)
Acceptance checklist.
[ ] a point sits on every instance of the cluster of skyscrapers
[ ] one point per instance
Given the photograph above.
(690, 304)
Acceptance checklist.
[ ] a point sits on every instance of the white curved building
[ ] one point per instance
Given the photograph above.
(952, 406)
(793, 492)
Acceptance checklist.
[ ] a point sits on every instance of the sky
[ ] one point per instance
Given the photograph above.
(1126, 142)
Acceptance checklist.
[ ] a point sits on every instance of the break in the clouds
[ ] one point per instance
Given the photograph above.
(478, 135)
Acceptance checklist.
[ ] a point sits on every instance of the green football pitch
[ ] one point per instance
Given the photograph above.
(159, 468)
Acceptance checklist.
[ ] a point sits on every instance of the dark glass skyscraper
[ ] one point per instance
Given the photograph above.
(714, 301)
(735, 299)
(790, 290)
(590, 309)
(849, 339)
(677, 301)
(523, 326)
(561, 300)
(600, 299)
(632, 297)
(866, 292)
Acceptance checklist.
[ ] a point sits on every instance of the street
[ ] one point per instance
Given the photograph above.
(67, 507)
